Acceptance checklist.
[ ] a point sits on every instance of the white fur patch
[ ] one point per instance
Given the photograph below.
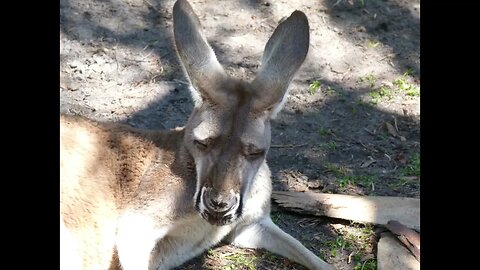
(279, 106)
(202, 204)
(69, 257)
(197, 99)
(136, 238)
(234, 209)
(198, 167)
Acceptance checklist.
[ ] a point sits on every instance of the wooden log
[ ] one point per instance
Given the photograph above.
(366, 209)
(409, 237)
(392, 254)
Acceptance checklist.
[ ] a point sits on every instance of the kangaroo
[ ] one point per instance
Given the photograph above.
(144, 199)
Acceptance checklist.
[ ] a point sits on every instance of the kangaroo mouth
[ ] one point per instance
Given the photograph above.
(218, 218)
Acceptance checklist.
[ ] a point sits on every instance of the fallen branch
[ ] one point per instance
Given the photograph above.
(409, 237)
(287, 145)
(366, 209)
(391, 254)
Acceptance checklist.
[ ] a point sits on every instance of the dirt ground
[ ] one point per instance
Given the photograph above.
(351, 124)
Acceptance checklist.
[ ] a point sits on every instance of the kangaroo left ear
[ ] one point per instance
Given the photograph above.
(202, 67)
(284, 54)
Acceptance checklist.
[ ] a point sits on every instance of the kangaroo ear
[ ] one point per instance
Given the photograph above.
(198, 59)
(284, 54)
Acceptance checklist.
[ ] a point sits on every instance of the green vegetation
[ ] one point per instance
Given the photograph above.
(324, 131)
(332, 145)
(386, 91)
(366, 265)
(277, 217)
(372, 44)
(314, 86)
(240, 261)
(338, 244)
(359, 236)
(337, 170)
(413, 168)
(403, 84)
(381, 93)
(409, 89)
(267, 255)
(408, 174)
(370, 79)
(362, 180)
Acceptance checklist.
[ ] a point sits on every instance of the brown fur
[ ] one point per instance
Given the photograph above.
(102, 166)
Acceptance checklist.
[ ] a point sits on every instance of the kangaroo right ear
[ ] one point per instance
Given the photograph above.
(196, 55)
(284, 54)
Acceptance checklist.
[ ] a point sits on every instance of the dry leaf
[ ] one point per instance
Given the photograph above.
(299, 188)
(367, 163)
(400, 158)
(409, 237)
(337, 226)
(392, 131)
(315, 184)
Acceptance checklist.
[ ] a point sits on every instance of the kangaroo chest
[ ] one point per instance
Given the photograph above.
(188, 238)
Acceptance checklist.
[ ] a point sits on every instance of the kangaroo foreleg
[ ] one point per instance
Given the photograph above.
(265, 234)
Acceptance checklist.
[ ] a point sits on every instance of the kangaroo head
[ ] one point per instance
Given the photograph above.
(228, 132)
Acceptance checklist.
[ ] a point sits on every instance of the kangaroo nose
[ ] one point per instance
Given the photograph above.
(219, 202)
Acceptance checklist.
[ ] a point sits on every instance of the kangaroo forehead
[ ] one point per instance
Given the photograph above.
(236, 116)
(238, 95)
(235, 124)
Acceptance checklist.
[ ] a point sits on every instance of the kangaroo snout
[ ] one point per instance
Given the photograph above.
(219, 208)
(219, 201)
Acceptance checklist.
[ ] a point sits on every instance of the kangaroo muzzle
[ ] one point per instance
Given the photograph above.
(219, 202)
(219, 208)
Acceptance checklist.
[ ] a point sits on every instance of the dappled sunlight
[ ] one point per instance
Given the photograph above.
(123, 19)
(389, 26)
(336, 57)
(385, 106)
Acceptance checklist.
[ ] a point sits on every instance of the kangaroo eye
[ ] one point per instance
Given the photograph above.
(202, 144)
(255, 155)
(251, 152)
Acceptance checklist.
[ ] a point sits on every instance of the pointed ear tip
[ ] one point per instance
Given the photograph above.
(181, 4)
(183, 15)
(297, 14)
(177, 4)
